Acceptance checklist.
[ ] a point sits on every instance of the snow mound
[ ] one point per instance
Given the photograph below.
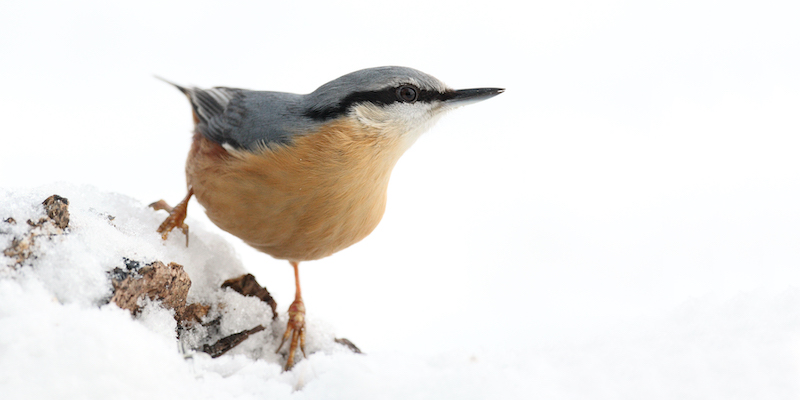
(58, 328)
(60, 338)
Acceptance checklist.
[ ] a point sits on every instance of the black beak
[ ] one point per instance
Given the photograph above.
(463, 97)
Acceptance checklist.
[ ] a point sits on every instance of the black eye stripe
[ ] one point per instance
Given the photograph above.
(380, 97)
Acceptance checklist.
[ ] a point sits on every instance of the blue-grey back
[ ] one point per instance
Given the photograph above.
(247, 119)
(269, 118)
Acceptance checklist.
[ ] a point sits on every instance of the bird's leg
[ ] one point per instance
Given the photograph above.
(175, 218)
(297, 322)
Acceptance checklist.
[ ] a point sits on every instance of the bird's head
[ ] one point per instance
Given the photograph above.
(393, 101)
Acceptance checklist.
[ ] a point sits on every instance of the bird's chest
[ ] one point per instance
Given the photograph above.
(299, 203)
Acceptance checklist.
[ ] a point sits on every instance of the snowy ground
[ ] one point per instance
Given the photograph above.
(622, 222)
(58, 338)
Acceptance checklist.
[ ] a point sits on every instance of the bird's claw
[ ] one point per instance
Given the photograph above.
(296, 327)
(175, 218)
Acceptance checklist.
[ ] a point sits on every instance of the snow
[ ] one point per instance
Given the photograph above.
(58, 338)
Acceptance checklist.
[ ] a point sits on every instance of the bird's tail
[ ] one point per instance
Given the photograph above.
(181, 88)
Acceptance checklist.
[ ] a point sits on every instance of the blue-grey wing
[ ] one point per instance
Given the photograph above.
(247, 119)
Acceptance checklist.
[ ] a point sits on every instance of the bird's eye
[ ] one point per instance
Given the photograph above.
(407, 93)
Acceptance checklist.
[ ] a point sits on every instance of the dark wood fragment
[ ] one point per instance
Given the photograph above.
(248, 286)
(348, 344)
(223, 345)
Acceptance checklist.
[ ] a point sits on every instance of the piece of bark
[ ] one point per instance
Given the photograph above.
(168, 283)
(248, 286)
(57, 209)
(20, 249)
(54, 223)
(192, 313)
(228, 342)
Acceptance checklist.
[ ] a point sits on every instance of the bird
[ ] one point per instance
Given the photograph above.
(302, 176)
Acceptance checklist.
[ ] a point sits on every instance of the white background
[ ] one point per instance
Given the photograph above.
(645, 154)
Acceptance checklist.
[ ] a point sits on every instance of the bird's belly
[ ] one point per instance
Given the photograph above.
(294, 227)
(288, 213)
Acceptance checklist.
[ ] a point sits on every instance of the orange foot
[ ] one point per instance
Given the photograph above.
(297, 328)
(176, 217)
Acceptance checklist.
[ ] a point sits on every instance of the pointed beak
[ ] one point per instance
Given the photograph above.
(458, 98)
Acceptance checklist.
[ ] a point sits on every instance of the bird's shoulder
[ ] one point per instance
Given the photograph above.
(248, 119)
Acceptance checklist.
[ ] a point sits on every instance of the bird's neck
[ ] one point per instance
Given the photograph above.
(345, 148)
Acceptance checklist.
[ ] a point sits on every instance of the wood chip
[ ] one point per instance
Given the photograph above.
(248, 286)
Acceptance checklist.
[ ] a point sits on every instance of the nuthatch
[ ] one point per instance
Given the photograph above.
(300, 177)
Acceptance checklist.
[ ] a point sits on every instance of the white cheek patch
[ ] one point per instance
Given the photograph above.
(397, 116)
(408, 121)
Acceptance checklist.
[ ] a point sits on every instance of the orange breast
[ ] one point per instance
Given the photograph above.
(301, 202)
